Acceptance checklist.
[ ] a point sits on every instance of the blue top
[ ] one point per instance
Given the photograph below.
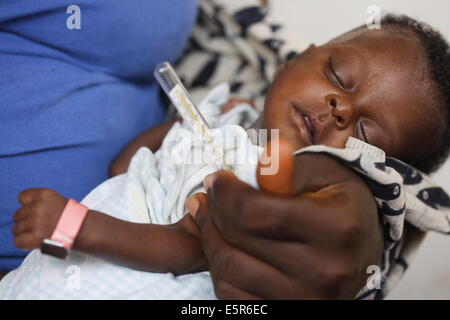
(71, 98)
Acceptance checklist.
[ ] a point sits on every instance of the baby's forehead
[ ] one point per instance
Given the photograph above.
(388, 50)
(392, 37)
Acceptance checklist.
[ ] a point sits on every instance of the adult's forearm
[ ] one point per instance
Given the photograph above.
(147, 247)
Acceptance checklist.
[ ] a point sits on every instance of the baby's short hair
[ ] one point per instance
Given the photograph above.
(437, 56)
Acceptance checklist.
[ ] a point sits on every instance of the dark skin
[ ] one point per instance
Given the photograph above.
(171, 248)
(314, 244)
(345, 88)
(352, 96)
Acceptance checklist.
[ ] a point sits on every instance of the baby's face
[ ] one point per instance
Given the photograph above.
(369, 84)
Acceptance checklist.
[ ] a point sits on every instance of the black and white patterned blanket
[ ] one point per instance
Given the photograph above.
(235, 41)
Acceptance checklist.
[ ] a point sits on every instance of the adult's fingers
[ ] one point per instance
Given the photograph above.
(284, 255)
(276, 166)
(280, 172)
(226, 291)
(315, 172)
(198, 208)
(274, 229)
(254, 277)
(223, 258)
(238, 274)
(237, 205)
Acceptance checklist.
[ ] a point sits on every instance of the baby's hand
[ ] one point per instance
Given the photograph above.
(36, 220)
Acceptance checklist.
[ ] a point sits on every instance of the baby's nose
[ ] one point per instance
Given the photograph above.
(341, 110)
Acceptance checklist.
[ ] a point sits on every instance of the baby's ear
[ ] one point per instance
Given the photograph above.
(275, 172)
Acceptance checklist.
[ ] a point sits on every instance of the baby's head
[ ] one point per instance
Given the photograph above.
(389, 87)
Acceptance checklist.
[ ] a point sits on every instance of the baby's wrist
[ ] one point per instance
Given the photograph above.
(89, 235)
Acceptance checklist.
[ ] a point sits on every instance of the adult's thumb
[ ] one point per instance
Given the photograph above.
(280, 172)
(197, 206)
(276, 168)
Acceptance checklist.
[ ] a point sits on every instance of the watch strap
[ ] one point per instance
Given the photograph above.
(69, 223)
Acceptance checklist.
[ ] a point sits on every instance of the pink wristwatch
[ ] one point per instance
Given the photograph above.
(66, 230)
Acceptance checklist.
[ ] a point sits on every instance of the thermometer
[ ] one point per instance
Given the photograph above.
(175, 90)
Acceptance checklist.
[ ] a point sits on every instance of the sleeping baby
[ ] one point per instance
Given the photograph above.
(366, 97)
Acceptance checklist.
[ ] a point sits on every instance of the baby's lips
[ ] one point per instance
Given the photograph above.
(280, 181)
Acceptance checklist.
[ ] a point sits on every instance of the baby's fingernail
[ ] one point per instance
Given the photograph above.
(207, 183)
(192, 205)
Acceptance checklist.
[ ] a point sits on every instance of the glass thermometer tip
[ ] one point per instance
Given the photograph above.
(173, 87)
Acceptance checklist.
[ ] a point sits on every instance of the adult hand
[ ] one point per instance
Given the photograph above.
(315, 243)
(37, 218)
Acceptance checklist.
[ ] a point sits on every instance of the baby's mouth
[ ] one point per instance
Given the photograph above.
(304, 124)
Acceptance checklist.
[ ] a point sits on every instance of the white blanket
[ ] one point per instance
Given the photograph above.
(154, 190)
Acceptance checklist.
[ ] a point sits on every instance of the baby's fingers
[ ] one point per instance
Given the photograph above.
(21, 214)
(27, 241)
(20, 228)
(28, 195)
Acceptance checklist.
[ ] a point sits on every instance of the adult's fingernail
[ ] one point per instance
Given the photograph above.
(207, 183)
(192, 204)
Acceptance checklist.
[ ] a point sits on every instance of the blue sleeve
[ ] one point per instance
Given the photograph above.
(72, 98)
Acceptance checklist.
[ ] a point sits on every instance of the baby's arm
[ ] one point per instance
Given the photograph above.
(155, 248)
(147, 247)
(152, 139)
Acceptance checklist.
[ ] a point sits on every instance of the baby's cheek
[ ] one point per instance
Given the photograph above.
(335, 138)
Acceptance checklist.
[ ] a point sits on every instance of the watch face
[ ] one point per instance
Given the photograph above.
(54, 248)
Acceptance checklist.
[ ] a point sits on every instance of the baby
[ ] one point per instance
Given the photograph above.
(389, 88)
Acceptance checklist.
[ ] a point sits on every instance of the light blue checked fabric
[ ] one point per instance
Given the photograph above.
(153, 190)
